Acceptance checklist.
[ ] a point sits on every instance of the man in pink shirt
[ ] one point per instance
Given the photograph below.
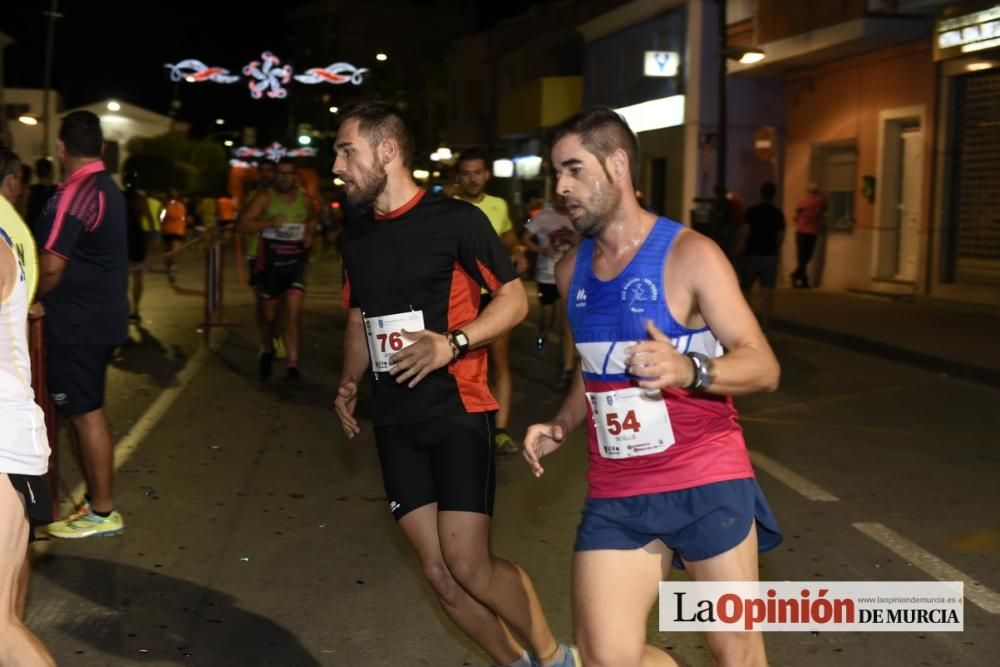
(808, 224)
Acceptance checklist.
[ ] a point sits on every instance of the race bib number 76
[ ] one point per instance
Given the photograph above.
(385, 336)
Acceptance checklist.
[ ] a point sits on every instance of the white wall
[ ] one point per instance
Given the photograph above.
(28, 140)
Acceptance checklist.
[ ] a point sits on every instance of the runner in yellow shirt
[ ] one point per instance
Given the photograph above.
(14, 225)
(473, 173)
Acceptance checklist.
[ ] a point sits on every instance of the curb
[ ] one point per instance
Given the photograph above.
(927, 362)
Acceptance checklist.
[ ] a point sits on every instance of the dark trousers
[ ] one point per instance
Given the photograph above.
(805, 244)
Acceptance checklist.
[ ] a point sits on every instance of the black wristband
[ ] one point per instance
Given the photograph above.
(694, 375)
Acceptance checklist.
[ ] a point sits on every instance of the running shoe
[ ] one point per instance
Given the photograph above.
(504, 443)
(279, 347)
(265, 364)
(570, 658)
(88, 525)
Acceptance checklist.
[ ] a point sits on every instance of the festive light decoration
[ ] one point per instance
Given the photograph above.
(195, 71)
(268, 77)
(337, 73)
(275, 152)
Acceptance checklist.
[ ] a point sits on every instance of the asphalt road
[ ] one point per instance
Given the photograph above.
(256, 535)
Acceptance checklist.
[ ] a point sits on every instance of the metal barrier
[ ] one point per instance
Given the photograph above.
(215, 255)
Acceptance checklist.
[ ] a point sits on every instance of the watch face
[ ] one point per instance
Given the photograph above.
(461, 339)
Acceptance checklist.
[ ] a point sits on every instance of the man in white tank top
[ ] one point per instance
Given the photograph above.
(24, 454)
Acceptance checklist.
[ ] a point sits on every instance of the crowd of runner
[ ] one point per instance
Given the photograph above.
(654, 338)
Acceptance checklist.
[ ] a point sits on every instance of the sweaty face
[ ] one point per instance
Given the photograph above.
(472, 176)
(357, 165)
(287, 179)
(584, 184)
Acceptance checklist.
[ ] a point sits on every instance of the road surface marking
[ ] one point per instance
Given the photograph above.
(976, 592)
(127, 446)
(983, 541)
(793, 480)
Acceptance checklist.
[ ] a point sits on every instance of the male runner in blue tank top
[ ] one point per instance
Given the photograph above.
(665, 340)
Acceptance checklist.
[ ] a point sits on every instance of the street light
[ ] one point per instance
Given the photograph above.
(748, 56)
(114, 106)
(220, 121)
(745, 55)
(305, 139)
(27, 120)
(53, 14)
(381, 57)
(334, 109)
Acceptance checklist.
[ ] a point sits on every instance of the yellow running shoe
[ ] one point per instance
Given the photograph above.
(88, 525)
(505, 445)
(279, 347)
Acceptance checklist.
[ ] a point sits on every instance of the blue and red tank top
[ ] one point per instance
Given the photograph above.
(606, 318)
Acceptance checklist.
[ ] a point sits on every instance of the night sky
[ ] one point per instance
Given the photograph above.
(116, 48)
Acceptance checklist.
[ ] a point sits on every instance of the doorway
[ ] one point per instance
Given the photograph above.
(899, 197)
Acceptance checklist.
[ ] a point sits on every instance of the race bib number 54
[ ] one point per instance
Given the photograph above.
(385, 336)
(630, 422)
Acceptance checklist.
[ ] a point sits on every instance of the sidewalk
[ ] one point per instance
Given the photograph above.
(956, 339)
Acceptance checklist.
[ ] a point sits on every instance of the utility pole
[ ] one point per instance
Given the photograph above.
(53, 14)
(721, 203)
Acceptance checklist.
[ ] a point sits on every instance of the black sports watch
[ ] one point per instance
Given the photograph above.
(703, 371)
(460, 342)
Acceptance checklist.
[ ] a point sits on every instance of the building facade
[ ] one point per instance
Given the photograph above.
(892, 109)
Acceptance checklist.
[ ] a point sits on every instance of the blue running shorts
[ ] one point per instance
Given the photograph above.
(696, 523)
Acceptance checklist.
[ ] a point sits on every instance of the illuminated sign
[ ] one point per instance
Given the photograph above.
(528, 166)
(967, 33)
(654, 114)
(503, 168)
(661, 63)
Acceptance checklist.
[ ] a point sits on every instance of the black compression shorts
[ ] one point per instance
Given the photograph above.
(37, 499)
(447, 460)
(548, 294)
(272, 282)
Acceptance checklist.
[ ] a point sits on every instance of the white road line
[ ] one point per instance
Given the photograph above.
(975, 591)
(127, 446)
(793, 480)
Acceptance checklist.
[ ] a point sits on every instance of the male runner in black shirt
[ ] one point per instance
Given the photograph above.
(412, 285)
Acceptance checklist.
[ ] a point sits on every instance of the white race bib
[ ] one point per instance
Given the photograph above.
(290, 231)
(631, 422)
(385, 336)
